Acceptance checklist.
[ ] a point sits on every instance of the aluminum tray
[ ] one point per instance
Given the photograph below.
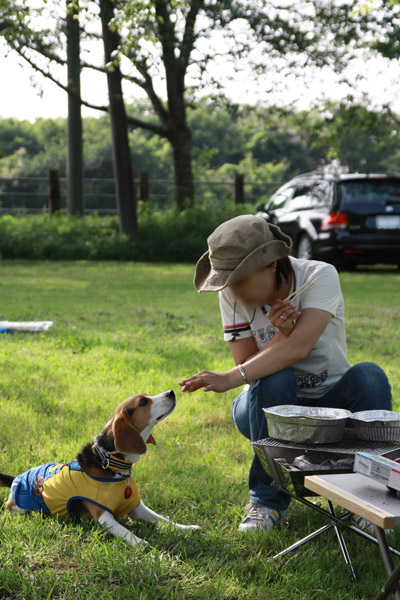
(377, 425)
(306, 424)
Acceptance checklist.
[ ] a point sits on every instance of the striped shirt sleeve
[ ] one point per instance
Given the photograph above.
(235, 320)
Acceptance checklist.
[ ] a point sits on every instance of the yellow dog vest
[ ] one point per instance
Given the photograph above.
(54, 486)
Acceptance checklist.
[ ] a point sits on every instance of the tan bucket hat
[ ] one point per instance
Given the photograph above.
(238, 248)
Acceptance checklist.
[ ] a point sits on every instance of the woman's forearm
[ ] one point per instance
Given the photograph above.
(278, 337)
(274, 357)
(271, 359)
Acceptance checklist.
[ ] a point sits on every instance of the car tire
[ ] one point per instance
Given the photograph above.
(304, 247)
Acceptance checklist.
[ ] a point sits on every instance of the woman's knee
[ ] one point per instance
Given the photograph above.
(240, 414)
(371, 381)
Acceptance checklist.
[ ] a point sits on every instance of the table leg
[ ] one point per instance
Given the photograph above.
(394, 574)
(342, 543)
(302, 541)
(371, 538)
(389, 585)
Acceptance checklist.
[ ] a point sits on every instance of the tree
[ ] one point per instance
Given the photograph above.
(19, 29)
(126, 197)
(173, 39)
(75, 200)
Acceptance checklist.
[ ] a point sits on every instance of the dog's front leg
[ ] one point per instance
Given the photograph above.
(116, 528)
(145, 514)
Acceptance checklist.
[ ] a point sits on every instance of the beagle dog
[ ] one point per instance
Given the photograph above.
(98, 484)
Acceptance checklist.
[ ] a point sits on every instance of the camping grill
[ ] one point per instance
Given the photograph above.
(291, 479)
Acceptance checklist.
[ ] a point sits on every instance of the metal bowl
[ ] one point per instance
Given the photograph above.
(307, 424)
(377, 425)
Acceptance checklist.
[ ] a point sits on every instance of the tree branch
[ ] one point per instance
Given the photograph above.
(161, 131)
(85, 65)
(165, 31)
(188, 37)
(156, 102)
(58, 83)
(132, 120)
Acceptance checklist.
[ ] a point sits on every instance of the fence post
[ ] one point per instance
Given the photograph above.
(143, 186)
(238, 189)
(54, 191)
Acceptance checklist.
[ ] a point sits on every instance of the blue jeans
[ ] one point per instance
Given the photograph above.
(363, 387)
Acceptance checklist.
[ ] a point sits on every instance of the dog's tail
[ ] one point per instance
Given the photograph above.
(6, 480)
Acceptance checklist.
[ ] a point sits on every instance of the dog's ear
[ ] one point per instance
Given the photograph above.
(151, 440)
(127, 438)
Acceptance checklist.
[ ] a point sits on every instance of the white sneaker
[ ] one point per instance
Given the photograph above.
(258, 516)
(366, 526)
(363, 524)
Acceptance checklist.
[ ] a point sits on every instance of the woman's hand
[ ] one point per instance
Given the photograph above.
(212, 381)
(283, 316)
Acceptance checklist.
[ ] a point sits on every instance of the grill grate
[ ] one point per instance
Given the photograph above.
(350, 444)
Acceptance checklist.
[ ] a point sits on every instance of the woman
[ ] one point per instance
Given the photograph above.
(288, 353)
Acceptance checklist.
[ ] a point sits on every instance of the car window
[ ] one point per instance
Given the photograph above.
(302, 190)
(369, 192)
(320, 194)
(280, 199)
(301, 198)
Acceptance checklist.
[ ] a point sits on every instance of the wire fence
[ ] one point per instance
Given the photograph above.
(33, 194)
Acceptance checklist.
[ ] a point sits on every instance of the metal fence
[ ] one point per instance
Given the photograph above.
(36, 194)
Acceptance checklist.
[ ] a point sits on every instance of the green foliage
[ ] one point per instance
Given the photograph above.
(164, 236)
(125, 328)
(363, 139)
(266, 144)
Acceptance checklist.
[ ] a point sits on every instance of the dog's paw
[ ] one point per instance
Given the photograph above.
(140, 544)
(189, 527)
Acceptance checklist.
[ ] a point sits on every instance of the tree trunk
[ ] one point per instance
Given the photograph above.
(75, 201)
(54, 191)
(181, 142)
(125, 190)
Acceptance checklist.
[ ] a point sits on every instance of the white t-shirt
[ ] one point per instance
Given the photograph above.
(327, 360)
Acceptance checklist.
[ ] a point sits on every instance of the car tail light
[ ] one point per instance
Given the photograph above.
(335, 220)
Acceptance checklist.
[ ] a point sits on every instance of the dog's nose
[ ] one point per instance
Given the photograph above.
(170, 394)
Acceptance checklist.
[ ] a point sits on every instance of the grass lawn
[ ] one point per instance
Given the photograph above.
(126, 328)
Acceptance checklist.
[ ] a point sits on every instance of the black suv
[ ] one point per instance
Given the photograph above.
(341, 218)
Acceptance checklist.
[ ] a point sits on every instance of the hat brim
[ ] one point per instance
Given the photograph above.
(209, 279)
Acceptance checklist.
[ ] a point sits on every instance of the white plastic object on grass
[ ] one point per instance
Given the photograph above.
(26, 326)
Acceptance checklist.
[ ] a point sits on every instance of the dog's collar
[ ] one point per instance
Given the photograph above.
(110, 461)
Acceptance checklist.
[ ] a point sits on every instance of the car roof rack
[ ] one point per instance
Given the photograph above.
(334, 169)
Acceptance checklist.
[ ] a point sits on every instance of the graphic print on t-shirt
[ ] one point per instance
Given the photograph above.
(311, 380)
(265, 334)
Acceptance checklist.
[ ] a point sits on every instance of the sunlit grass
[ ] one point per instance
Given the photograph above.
(122, 328)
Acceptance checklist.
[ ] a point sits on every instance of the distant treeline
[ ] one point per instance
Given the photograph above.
(264, 143)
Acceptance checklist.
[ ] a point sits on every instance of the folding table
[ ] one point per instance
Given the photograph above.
(370, 500)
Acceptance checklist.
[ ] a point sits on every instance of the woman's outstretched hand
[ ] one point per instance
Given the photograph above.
(211, 381)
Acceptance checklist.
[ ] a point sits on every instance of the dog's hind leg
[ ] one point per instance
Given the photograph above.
(145, 514)
(111, 524)
(12, 507)
(6, 481)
